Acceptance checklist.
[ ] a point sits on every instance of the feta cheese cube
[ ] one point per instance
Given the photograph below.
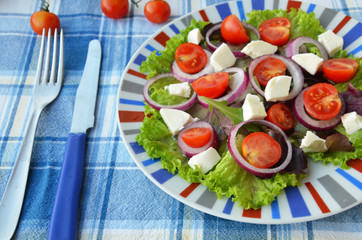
(222, 58)
(205, 160)
(259, 48)
(253, 108)
(175, 119)
(352, 122)
(277, 88)
(312, 143)
(331, 42)
(195, 36)
(179, 89)
(309, 61)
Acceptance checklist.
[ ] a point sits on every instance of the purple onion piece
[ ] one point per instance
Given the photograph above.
(293, 46)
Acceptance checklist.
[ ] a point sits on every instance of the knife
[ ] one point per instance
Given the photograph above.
(63, 222)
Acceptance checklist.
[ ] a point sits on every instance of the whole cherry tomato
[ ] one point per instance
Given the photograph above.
(233, 31)
(115, 8)
(44, 19)
(157, 11)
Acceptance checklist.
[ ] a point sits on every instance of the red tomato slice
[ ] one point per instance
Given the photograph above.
(340, 69)
(196, 137)
(212, 85)
(233, 31)
(281, 115)
(261, 150)
(269, 68)
(321, 101)
(275, 31)
(190, 58)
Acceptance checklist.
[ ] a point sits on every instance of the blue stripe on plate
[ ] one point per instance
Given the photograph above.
(350, 178)
(275, 209)
(296, 202)
(150, 161)
(228, 207)
(139, 59)
(257, 4)
(357, 50)
(224, 10)
(152, 49)
(174, 28)
(136, 147)
(311, 8)
(131, 102)
(162, 175)
(241, 10)
(352, 35)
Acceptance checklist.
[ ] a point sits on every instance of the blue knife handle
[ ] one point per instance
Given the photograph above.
(63, 222)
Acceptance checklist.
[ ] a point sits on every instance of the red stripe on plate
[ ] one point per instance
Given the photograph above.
(252, 213)
(293, 4)
(162, 38)
(356, 164)
(185, 193)
(204, 16)
(131, 116)
(137, 74)
(341, 24)
(317, 198)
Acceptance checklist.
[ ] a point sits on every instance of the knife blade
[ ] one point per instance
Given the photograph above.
(64, 218)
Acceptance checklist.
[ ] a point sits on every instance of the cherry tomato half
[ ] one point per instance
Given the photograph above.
(261, 150)
(212, 85)
(44, 19)
(275, 30)
(281, 115)
(269, 68)
(233, 31)
(196, 137)
(115, 8)
(321, 101)
(190, 58)
(340, 69)
(157, 11)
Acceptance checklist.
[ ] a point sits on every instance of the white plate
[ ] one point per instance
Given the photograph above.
(326, 191)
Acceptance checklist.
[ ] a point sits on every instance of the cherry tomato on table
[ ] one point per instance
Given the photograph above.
(157, 11)
(233, 31)
(261, 150)
(269, 68)
(212, 85)
(190, 58)
(275, 31)
(44, 19)
(115, 8)
(321, 101)
(281, 115)
(340, 69)
(196, 137)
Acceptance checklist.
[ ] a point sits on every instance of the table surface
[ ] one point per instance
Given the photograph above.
(117, 200)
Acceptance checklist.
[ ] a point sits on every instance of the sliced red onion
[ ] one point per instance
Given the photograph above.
(293, 68)
(293, 46)
(182, 106)
(237, 87)
(260, 172)
(186, 77)
(314, 124)
(235, 48)
(190, 151)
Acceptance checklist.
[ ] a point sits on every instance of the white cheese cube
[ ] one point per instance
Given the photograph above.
(222, 58)
(331, 42)
(253, 108)
(313, 143)
(309, 61)
(277, 88)
(205, 160)
(259, 48)
(194, 36)
(352, 122)
(179, 89)
(175, 119)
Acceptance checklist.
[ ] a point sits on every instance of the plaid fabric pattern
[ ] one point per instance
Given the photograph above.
(117, 201)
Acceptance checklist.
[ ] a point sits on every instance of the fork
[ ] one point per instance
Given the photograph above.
(45, 91)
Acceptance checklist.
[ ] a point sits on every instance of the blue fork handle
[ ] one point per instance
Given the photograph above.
(63, 222)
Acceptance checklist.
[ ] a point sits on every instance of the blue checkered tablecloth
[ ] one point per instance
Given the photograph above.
(117, 199)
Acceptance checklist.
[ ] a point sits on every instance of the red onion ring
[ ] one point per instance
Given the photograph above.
(293, 68)
(260, 172)
(314, 124)
(186, 77)
(293, 46)
(238, 88)
(237, 53)
(182, 106)
(190, 151)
